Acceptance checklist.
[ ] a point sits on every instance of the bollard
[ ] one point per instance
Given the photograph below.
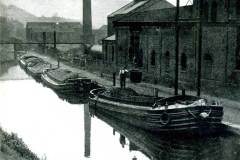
(114, 78)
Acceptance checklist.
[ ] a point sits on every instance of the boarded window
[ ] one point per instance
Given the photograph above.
(184, 62)
(214, 11)
(153, 58)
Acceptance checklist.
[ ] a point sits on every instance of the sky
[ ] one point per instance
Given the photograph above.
(73, 8)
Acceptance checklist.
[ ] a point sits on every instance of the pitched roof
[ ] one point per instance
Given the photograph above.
(158, 15)
(128, 8)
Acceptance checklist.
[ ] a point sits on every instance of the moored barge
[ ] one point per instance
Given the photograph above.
(172, 114)
(67, 82)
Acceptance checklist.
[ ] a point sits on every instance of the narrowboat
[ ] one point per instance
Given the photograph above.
(173, 114)
(26, 59)
(37, 69)
(66, 82)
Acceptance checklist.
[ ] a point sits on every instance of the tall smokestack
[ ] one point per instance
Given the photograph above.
(87, 22)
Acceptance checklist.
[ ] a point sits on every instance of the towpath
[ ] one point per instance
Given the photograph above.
(231, 107)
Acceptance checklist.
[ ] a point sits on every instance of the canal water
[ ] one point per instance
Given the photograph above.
(60, 130)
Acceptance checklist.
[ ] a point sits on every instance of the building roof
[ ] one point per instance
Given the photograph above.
(141, 6)
(156, 5)
(158, 15)
(128, 8)
(110, 38)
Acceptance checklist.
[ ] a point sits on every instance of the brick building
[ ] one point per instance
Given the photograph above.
(144, 32)
(65, 31)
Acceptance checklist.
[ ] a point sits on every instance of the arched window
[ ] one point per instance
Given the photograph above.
(153, 57)
(167, 60)
(184, 62)
(214, 11)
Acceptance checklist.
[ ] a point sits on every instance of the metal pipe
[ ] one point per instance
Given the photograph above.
(177, 47)
(199, 71)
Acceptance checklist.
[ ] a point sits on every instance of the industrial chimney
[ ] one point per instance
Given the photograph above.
(87, 22)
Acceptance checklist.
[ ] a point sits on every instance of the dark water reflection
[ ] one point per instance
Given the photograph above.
(222, 146)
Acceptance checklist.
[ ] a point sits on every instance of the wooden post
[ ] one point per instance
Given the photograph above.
(199, 50)
(227, 47)
(177, 47)
(55, 47)
(15, 51)
(44, 41)
(55, 40)
(114, 78)
(87, 131)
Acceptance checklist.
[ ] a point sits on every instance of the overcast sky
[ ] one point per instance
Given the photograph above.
(73, 8)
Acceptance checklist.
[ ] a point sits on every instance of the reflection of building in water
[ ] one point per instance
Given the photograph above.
(174, 147)
(87, 130)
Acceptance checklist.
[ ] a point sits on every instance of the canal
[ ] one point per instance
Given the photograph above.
(60, 130)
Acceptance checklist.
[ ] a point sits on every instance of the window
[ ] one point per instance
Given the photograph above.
(184, 62)
(238, 59)
(153, 57)
(167, 60)
(214, 11)
(205, 11)
(238, 49)
(106, 51)
(130, 54)
(112, 53)
(139, 58)
(238, 7)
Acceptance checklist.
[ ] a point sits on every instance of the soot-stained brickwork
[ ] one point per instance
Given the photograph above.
(145, 38)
